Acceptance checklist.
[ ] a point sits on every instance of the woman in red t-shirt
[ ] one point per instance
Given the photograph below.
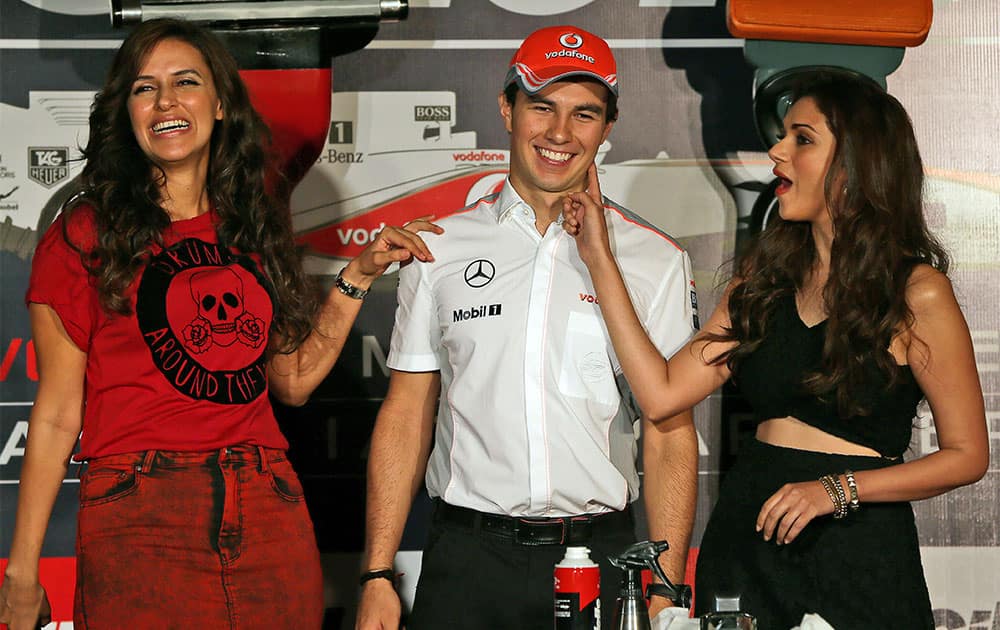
(165, 303)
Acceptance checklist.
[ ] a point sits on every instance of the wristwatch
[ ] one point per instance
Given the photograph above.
(349, 289)
(385, 574)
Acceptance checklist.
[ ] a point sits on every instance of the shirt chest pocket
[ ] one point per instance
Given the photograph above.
(585, 370)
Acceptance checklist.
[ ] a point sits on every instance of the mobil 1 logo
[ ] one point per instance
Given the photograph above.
(48, 165)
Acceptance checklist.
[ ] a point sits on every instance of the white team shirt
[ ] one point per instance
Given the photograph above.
(534, 417)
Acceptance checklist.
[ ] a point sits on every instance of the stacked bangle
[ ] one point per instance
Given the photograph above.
(834, 489)
(852, 486)
(836, 493)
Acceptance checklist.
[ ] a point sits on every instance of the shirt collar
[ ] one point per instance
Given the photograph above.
(509, 202)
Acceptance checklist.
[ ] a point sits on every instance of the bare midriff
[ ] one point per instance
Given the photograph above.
(791, 432)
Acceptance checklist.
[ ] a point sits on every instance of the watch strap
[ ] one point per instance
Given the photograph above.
(349, 289)
(387, 574)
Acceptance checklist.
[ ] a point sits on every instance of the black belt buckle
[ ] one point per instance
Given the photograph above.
(538, 532)
(555, 531)
(580, 529)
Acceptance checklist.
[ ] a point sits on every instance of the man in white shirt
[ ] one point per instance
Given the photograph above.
(499, 354)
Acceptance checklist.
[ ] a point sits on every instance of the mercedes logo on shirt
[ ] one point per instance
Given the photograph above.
(479, 273)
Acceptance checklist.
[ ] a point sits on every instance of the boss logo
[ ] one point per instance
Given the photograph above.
(432, 113)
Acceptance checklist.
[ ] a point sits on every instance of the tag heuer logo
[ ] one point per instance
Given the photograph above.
(432, 113)
(48, 165)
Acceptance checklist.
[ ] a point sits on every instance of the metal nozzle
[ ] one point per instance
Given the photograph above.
(393, 10)
(645, 555)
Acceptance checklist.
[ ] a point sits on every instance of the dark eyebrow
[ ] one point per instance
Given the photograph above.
(809, 127)
(175, 74)
(586, 107)
(535, 98)
(594, 109)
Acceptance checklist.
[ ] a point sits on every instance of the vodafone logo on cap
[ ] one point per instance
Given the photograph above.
(571, 40)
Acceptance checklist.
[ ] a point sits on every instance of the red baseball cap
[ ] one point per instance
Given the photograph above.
(556, 52)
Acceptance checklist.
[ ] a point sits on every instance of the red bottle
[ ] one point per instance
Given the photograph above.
(577, 591)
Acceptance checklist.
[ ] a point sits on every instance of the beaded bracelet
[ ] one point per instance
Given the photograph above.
(852, 485)
(839, 499)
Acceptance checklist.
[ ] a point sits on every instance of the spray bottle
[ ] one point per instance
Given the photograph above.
(577, 591)
(631, 610)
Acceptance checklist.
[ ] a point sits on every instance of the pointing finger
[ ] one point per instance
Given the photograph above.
(593, 185)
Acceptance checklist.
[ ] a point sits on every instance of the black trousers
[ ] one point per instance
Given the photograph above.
(477, 580)
(858, 573)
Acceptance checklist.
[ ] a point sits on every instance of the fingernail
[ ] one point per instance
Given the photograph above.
(757, 527)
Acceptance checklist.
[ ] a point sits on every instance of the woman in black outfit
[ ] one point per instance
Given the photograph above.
(840, 318)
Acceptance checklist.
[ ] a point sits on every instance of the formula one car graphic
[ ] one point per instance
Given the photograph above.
(393, 156)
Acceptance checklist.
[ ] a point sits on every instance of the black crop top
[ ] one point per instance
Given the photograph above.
(771, 380)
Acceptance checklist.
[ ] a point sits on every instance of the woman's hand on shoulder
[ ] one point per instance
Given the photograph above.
(24, 606)
(393, 245)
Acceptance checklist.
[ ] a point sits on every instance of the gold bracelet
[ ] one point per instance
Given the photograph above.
(831, 484)
(841, 495)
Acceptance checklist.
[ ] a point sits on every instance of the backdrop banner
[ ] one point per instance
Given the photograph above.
(415, 129)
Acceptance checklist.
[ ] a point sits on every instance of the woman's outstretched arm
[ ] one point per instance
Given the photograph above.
(662, 388)
(292, 377)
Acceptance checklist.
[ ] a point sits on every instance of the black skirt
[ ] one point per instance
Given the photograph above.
(862, 571)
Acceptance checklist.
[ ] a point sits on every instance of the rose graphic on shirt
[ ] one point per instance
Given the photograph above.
(250, 330)
(198, 335)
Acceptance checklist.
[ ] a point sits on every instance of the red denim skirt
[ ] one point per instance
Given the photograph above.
(208, 540)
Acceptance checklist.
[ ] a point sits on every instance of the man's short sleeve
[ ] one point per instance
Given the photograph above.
(673, 318)
(59, 279)
(416, 336)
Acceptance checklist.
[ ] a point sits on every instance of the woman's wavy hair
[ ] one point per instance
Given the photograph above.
(874, 189)
(123, 185)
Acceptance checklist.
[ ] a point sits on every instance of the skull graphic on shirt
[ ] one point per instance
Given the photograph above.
(222, 317)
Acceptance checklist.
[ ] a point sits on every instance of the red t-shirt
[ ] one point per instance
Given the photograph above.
(186, 370)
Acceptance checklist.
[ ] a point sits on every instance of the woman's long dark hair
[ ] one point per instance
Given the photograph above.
(123, 185)
(874, 190)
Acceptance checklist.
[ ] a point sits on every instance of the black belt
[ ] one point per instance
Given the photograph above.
(567, 530)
